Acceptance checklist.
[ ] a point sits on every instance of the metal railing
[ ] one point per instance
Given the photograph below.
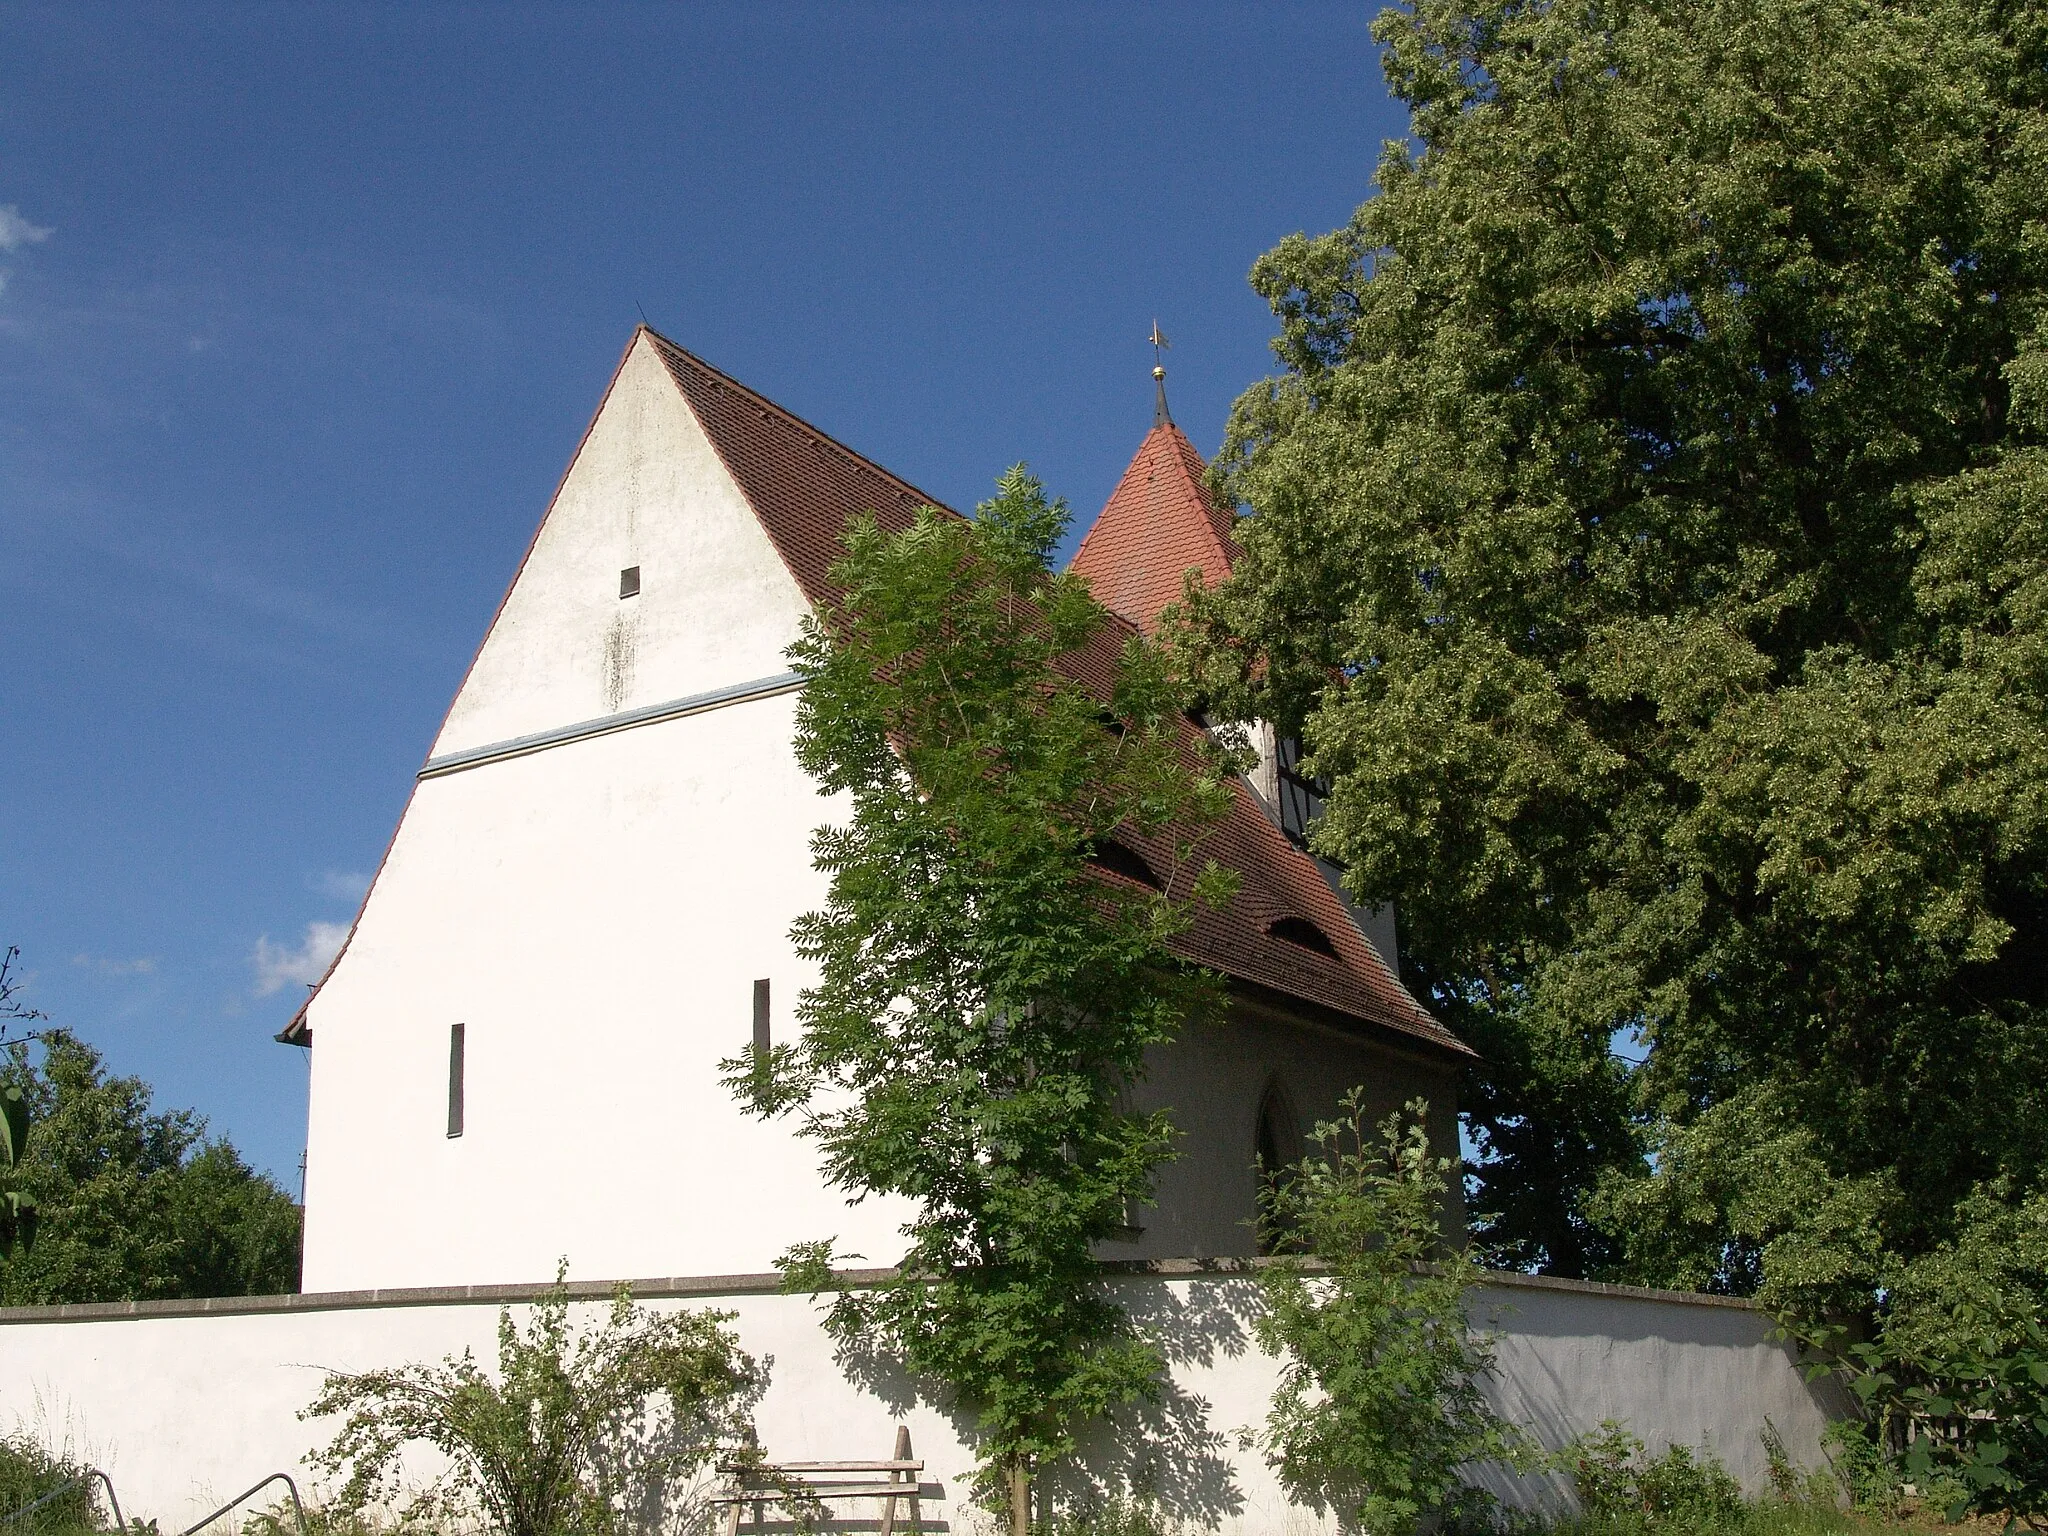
(83, 1480)
(298, 1509)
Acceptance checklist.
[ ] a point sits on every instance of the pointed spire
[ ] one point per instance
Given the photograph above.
(1159, 525)
(1161, 417)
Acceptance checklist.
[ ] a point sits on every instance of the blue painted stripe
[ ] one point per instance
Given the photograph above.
(604, 725)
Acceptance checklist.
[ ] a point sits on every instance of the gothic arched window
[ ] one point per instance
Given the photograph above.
(1276, 1149)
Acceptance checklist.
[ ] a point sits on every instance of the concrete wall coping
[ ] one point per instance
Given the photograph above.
(710, 1286)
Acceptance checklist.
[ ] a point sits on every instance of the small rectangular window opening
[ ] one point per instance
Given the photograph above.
(761, 1038)
(455, 1033)
(629, 582)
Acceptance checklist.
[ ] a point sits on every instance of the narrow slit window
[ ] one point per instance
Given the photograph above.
(455, 1033)
(761, 1034)
(629, 582)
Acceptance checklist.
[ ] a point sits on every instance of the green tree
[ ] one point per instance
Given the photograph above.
(17, 1206)
(986, 993)
(1650, 542)
(1379, 1412)
(135, 1203)
(584, 1430)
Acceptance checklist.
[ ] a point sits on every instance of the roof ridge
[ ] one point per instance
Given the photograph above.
(819, 434)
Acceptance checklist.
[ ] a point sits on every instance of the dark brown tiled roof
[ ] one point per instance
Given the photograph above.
(1159, 524)
(804, 486)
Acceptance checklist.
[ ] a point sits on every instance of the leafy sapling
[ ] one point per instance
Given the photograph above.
(987, 988)
(1379, 1408)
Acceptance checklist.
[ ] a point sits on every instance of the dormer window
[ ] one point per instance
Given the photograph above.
(1299, 930)
(629, 582)
(1118, 859)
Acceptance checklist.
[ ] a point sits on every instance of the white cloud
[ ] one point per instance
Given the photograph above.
(341, 884)
(106, 965)
(16, 231)
(278, 965)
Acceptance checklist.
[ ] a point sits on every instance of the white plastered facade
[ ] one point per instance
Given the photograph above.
(594, 911)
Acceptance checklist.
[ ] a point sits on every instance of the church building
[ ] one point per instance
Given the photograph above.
(587, 901)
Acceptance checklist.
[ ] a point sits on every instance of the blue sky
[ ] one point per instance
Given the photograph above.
(305, 307)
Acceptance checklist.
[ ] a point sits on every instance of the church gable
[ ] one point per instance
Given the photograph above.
(650, 579)
(723, 514)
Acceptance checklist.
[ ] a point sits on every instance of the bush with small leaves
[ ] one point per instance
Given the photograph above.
(592, 1431)
(30, 1471)
(1616, 1481)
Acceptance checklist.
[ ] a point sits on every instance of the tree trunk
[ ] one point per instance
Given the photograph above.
(1020, 1499)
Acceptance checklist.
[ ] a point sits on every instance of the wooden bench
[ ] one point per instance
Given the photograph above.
(761, 1483)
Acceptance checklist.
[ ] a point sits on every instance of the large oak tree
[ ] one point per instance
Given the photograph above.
(1649, 538)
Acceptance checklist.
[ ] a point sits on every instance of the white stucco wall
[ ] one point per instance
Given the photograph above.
(185, 1411)
(594, 915)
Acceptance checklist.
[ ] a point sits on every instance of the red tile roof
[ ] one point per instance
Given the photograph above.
(1158, 525)
(804, 486)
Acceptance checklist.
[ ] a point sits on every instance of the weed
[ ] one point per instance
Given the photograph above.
(28, 1472)
(1117, 1516)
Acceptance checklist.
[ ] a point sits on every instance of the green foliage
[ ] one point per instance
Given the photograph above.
(1867, 1473)
(1614, 1479)
(1651, 544)
(135, 1203)
(1378, 1408)
(1792, 1483)
(986, 995)
(1951, 1369)
(1769, 1517)
(583, 1430)
(30, 1471)
(18, 1215)
(280, 1519)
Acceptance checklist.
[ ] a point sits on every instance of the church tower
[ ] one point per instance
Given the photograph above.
(1159, 524)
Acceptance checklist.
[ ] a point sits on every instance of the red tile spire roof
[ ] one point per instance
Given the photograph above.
(1159, 523)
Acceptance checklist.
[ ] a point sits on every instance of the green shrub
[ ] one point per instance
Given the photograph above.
(280, 1519)
(1866, 1470)
(1116, 1516)
(1378, 1415)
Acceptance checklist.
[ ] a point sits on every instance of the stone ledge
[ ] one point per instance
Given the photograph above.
(685, 1286)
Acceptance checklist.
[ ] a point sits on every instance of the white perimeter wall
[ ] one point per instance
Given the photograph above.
(187, 1409)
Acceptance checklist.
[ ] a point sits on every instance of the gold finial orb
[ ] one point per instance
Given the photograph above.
(1158, 372)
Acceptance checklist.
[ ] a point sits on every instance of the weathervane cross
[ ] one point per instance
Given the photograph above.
(1159, 344)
